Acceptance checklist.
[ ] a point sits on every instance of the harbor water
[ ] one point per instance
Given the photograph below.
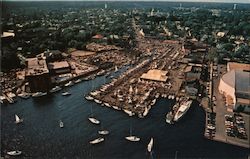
(39, 136)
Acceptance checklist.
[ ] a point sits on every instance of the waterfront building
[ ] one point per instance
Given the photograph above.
(37, 74)
(235, 86)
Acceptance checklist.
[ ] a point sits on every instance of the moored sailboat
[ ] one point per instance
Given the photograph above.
(18, 120)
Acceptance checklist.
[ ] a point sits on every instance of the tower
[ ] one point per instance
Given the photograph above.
(235, 6)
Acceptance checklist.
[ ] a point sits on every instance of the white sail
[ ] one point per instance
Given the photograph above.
(150, 145)
(18, 120)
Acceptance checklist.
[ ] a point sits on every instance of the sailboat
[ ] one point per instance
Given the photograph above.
(14, 153)
(61, 124)
(150, 145)
(92, 119)
(18, 120)
(131, 137)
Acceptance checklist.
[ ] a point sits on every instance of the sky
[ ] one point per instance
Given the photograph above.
(224, 1)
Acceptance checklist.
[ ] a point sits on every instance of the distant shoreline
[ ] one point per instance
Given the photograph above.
(181, 1)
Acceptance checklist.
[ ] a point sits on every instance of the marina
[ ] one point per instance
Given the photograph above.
(81, 131)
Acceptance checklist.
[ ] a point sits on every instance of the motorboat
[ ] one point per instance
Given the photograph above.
(17, 119)
(89, 98)
(39, 94)
(96, 141)
(70, 83)
(150, 145)
(14, 153)
(94, 120)
(66, 93)
(61, 124)
(184, 107)
(103, 132)
(55, 89)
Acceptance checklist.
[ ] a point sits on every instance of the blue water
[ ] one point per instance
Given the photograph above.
(40, 135)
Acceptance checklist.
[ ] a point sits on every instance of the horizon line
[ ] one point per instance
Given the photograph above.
(176, 1)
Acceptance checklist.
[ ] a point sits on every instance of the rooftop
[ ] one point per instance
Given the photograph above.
(155, 75)
(36, 66)
(239, 80)
(58, 65)
(237, 66)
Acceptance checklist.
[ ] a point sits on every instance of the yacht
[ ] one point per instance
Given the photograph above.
(39, 94)
(94, 120)
(18, 120)
(150, 145)
(55, 89)
(184, 107)
(14, 153)
(96, 141)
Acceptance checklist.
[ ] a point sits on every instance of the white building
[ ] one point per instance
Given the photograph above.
(235, 86)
